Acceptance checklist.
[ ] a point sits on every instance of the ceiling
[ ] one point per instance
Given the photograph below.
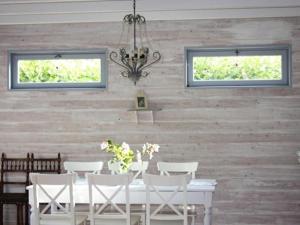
(72, 11)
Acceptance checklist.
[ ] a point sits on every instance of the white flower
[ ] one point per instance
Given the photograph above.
(156, 147)
(104, 145)
(125, 147)
(150, 149)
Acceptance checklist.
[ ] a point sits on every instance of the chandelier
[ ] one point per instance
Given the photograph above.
(136, 56)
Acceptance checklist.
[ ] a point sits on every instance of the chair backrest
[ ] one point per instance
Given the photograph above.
(11, 170)
(139, 168)
(177, 185)
(166, 168)
(75, 167)
(63, 190)
(107, 187)
(46, 165)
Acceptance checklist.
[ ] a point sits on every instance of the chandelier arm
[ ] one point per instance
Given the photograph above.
(156, 55)
(114, 54)
(135, 67)
(124, 74)
(123, 60)
(142, 64)
(145, 73)
(141, 19)
(128, 18)
(127, 65)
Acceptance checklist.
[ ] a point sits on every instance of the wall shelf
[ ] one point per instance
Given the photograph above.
(144, 116)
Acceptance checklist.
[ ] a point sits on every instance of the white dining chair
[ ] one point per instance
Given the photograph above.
(107, 212)
(167, 168)
(42, 210)
(157, 215)
(75, 167)
(80, 169)
(139, 168)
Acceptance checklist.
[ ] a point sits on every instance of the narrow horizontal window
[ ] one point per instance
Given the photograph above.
(243, 66)
(58, 70)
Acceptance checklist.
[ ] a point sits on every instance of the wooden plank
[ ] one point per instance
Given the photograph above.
(62, 11)
(246, 138)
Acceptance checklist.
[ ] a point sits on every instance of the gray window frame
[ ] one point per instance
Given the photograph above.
(15, 56)
(283, 50)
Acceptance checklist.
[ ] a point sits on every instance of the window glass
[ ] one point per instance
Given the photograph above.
(237, 68)
(230, 67)
(57, 70)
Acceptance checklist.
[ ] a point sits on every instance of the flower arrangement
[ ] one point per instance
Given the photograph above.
(148, 149)
(123, 154)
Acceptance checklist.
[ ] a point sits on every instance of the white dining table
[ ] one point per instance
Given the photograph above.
(199, 192)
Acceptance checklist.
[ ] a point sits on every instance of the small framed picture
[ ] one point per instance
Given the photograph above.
(141, 101)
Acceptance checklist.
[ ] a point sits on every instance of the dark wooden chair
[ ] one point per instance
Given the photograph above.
(19, 169)
(45, 165)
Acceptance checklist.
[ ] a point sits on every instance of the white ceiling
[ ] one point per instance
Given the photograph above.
(64, 11)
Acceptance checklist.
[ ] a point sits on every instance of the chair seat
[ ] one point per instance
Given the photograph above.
(58, 219)
(138, 208)
(13, 198)
(134, 220)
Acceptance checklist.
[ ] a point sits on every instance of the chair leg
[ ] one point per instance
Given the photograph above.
(26, 214)
(22, 214)
(1, 214)
(18, 214)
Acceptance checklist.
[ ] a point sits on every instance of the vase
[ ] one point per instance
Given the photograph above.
(116, 168)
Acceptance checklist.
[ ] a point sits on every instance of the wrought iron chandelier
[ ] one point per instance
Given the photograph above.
(135, 58)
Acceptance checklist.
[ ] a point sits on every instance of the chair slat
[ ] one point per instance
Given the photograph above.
(174, 167)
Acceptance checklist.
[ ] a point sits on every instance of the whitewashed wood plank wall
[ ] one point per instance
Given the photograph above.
(246, 138)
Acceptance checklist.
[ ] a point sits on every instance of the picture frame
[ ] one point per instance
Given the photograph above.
(141, 102)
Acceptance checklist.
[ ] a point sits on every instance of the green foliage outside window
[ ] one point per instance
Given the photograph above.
(59, 71)
(237, 68)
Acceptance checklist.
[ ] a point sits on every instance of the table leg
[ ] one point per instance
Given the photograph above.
(208, 209)
(32, 216)
(207, 215)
